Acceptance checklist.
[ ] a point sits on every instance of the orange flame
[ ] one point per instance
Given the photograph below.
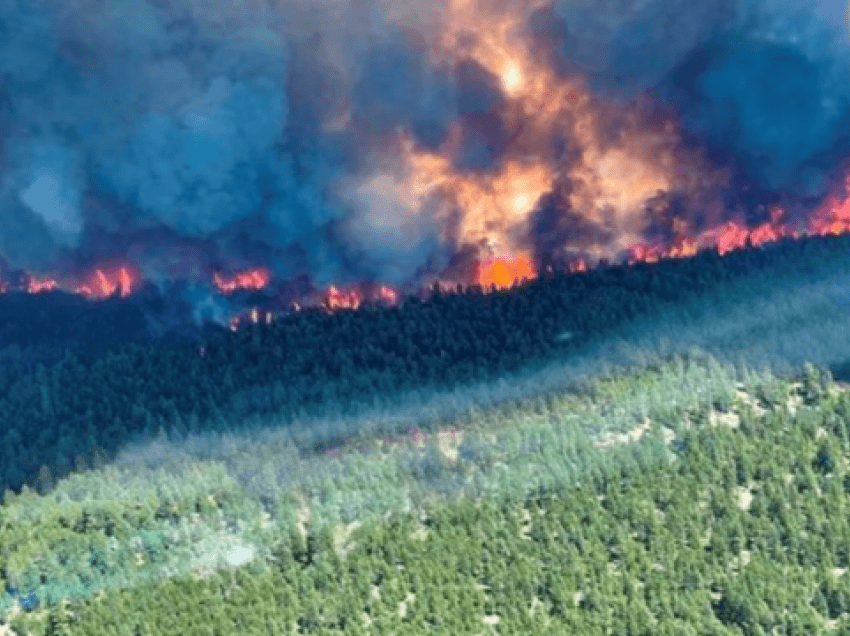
(388, 294)
(613, 176)
(504, 272)
(616, 170)
(336, 299)
(834, 215)
(101, 284)
(255, 279)
(495, 272)
(35, 285)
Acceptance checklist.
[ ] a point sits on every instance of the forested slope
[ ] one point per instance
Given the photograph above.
(82, 409)
(725, 513)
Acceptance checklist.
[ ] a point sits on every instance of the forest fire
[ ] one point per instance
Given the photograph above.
(479, 145)
(832, 217)
(101, 283)
(503, 272)
(608, 176)
(252, 279)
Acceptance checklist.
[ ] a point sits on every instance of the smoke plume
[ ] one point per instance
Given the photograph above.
(365, 140)
(762, 83)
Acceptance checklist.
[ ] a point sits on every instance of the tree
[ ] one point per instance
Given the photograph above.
(58, 623)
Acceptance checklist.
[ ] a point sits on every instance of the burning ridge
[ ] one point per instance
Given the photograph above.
(332, 153)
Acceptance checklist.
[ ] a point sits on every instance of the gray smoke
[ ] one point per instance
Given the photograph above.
(192, 136)
(211, 124)
(761, 82)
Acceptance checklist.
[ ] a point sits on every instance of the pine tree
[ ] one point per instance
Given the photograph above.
(58, 623)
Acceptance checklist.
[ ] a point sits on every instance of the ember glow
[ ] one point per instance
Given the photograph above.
(252, 279)
(99, 284)
(263, 149)
(503, 272)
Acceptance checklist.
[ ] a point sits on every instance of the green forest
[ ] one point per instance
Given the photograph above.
(670, 500)
(559, 457)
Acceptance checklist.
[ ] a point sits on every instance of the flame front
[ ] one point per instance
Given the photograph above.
(99, 284)
(255, 279)
(502, 273)
(610, 168)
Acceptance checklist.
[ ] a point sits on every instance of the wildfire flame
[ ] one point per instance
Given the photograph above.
(34, 285)
(834, 215)
(255, 279)
(612, 177)
(388, 294)
(100, 284)
(336, 299)
(255, 316)
(502, 273)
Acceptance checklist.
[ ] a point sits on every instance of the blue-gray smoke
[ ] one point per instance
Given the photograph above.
(193, 136)
(764, 83)
(211, 124)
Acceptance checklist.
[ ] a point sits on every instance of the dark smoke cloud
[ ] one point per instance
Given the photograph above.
(763, 83)
(196, 135)
(397, 88)
(783, 115)
(212, 123)
(627, 45)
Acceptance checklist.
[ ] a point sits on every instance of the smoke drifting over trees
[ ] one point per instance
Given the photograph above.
(187, 136)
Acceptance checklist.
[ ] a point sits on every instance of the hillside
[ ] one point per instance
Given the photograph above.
(67, 408)
(390, 317)
(674, 499)
(252, 513)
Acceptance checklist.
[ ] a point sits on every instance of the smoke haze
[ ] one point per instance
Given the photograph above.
(189, 137)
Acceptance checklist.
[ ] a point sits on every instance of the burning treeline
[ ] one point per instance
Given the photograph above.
(467, 144)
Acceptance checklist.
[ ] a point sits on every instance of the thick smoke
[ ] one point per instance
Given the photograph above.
(219, 125)
(193, 136)
(762, 83)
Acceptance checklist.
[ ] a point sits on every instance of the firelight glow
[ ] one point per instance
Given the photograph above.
(453, 143)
